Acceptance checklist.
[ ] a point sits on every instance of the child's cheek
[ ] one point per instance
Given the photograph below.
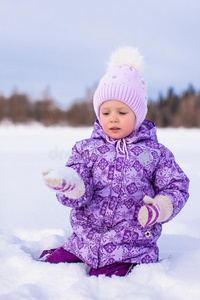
(103, 123)
(125, 125)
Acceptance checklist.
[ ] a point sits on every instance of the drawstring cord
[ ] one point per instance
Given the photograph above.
(121, 145)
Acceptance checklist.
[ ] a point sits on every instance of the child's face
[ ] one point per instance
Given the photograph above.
(117, 119)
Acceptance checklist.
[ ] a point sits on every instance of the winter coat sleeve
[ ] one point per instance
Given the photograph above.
(169, 180)
(78, 161)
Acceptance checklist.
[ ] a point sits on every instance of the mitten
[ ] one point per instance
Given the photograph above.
(65, 180)
(155, 210)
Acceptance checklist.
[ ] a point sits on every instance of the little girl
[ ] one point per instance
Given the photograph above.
(121, 182)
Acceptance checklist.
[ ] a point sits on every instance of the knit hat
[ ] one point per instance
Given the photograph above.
(124, 82)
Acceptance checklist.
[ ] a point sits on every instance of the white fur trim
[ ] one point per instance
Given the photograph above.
(127, 56)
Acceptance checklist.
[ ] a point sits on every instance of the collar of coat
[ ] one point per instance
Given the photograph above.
(147, 131)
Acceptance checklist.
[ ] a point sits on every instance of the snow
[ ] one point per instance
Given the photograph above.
(31, 219)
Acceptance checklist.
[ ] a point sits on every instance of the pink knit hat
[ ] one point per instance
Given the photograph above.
(124, 82)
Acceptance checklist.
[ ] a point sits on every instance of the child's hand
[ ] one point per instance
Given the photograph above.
(65, 180)
(155, 210)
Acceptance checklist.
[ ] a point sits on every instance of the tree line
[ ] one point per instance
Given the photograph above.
(169, 111)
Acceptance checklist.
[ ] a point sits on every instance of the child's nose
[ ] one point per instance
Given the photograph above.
(113, 118)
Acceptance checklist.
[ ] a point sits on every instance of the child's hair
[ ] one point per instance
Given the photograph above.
(124, 82)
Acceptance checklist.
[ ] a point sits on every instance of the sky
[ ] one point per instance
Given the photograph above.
(63, 46)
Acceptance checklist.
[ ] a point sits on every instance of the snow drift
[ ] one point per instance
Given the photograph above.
(31, 219)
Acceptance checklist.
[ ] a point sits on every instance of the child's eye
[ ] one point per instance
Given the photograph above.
(105, 113)
(122, 113)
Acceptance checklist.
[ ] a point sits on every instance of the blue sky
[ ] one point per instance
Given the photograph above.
(65, 44)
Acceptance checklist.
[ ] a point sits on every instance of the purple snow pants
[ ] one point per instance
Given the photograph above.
(61, 255)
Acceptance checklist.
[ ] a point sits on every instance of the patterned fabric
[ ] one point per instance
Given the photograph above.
(104, 219)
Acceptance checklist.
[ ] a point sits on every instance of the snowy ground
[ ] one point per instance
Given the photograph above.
(31, 220)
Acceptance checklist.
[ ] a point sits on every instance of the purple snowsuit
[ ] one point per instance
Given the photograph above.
(117, 177)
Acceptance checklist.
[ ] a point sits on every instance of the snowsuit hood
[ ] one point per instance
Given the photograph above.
(117, 175)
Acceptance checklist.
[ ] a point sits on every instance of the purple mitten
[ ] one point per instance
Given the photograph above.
(155, 210)
(65, 180)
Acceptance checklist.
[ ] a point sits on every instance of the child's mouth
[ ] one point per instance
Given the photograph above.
(114, 129)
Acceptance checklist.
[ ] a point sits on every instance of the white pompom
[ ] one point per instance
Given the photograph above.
(127, 56)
